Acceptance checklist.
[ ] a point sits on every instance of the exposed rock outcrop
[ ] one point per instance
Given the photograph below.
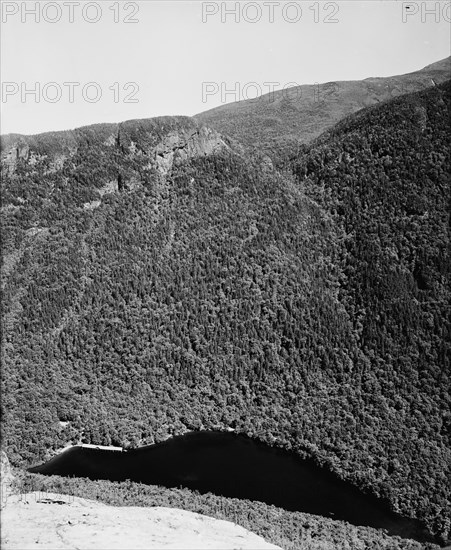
(48, 520)
(181, 146)
(126, 153)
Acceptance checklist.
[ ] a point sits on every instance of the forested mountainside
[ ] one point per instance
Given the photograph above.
(157, 278)
(278, 121)
(383, 178)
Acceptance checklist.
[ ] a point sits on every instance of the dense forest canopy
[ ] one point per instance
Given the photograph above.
(157, 278)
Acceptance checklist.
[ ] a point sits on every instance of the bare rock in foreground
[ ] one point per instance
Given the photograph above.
(49, 520)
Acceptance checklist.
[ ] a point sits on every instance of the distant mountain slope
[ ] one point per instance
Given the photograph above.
(284, 118)
(158, 278)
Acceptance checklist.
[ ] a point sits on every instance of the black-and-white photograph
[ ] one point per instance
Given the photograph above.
(225, 275)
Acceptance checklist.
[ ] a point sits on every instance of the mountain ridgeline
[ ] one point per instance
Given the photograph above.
(158, 278)
(279, 121)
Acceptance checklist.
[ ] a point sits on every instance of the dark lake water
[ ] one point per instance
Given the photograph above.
(235, 466)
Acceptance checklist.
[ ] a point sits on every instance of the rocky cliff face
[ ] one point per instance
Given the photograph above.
(101, 160)
(160, 141)
(179, 146)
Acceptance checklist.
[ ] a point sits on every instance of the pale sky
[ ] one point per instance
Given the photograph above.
(175, 48)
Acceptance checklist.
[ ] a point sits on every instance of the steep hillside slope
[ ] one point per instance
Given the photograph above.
(383, 177)
(282, 119)
(172, 300)
(157, 279)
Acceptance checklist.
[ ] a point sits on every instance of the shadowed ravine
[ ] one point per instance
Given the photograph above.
(235, 466)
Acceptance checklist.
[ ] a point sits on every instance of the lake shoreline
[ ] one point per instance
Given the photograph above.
(235, 466)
